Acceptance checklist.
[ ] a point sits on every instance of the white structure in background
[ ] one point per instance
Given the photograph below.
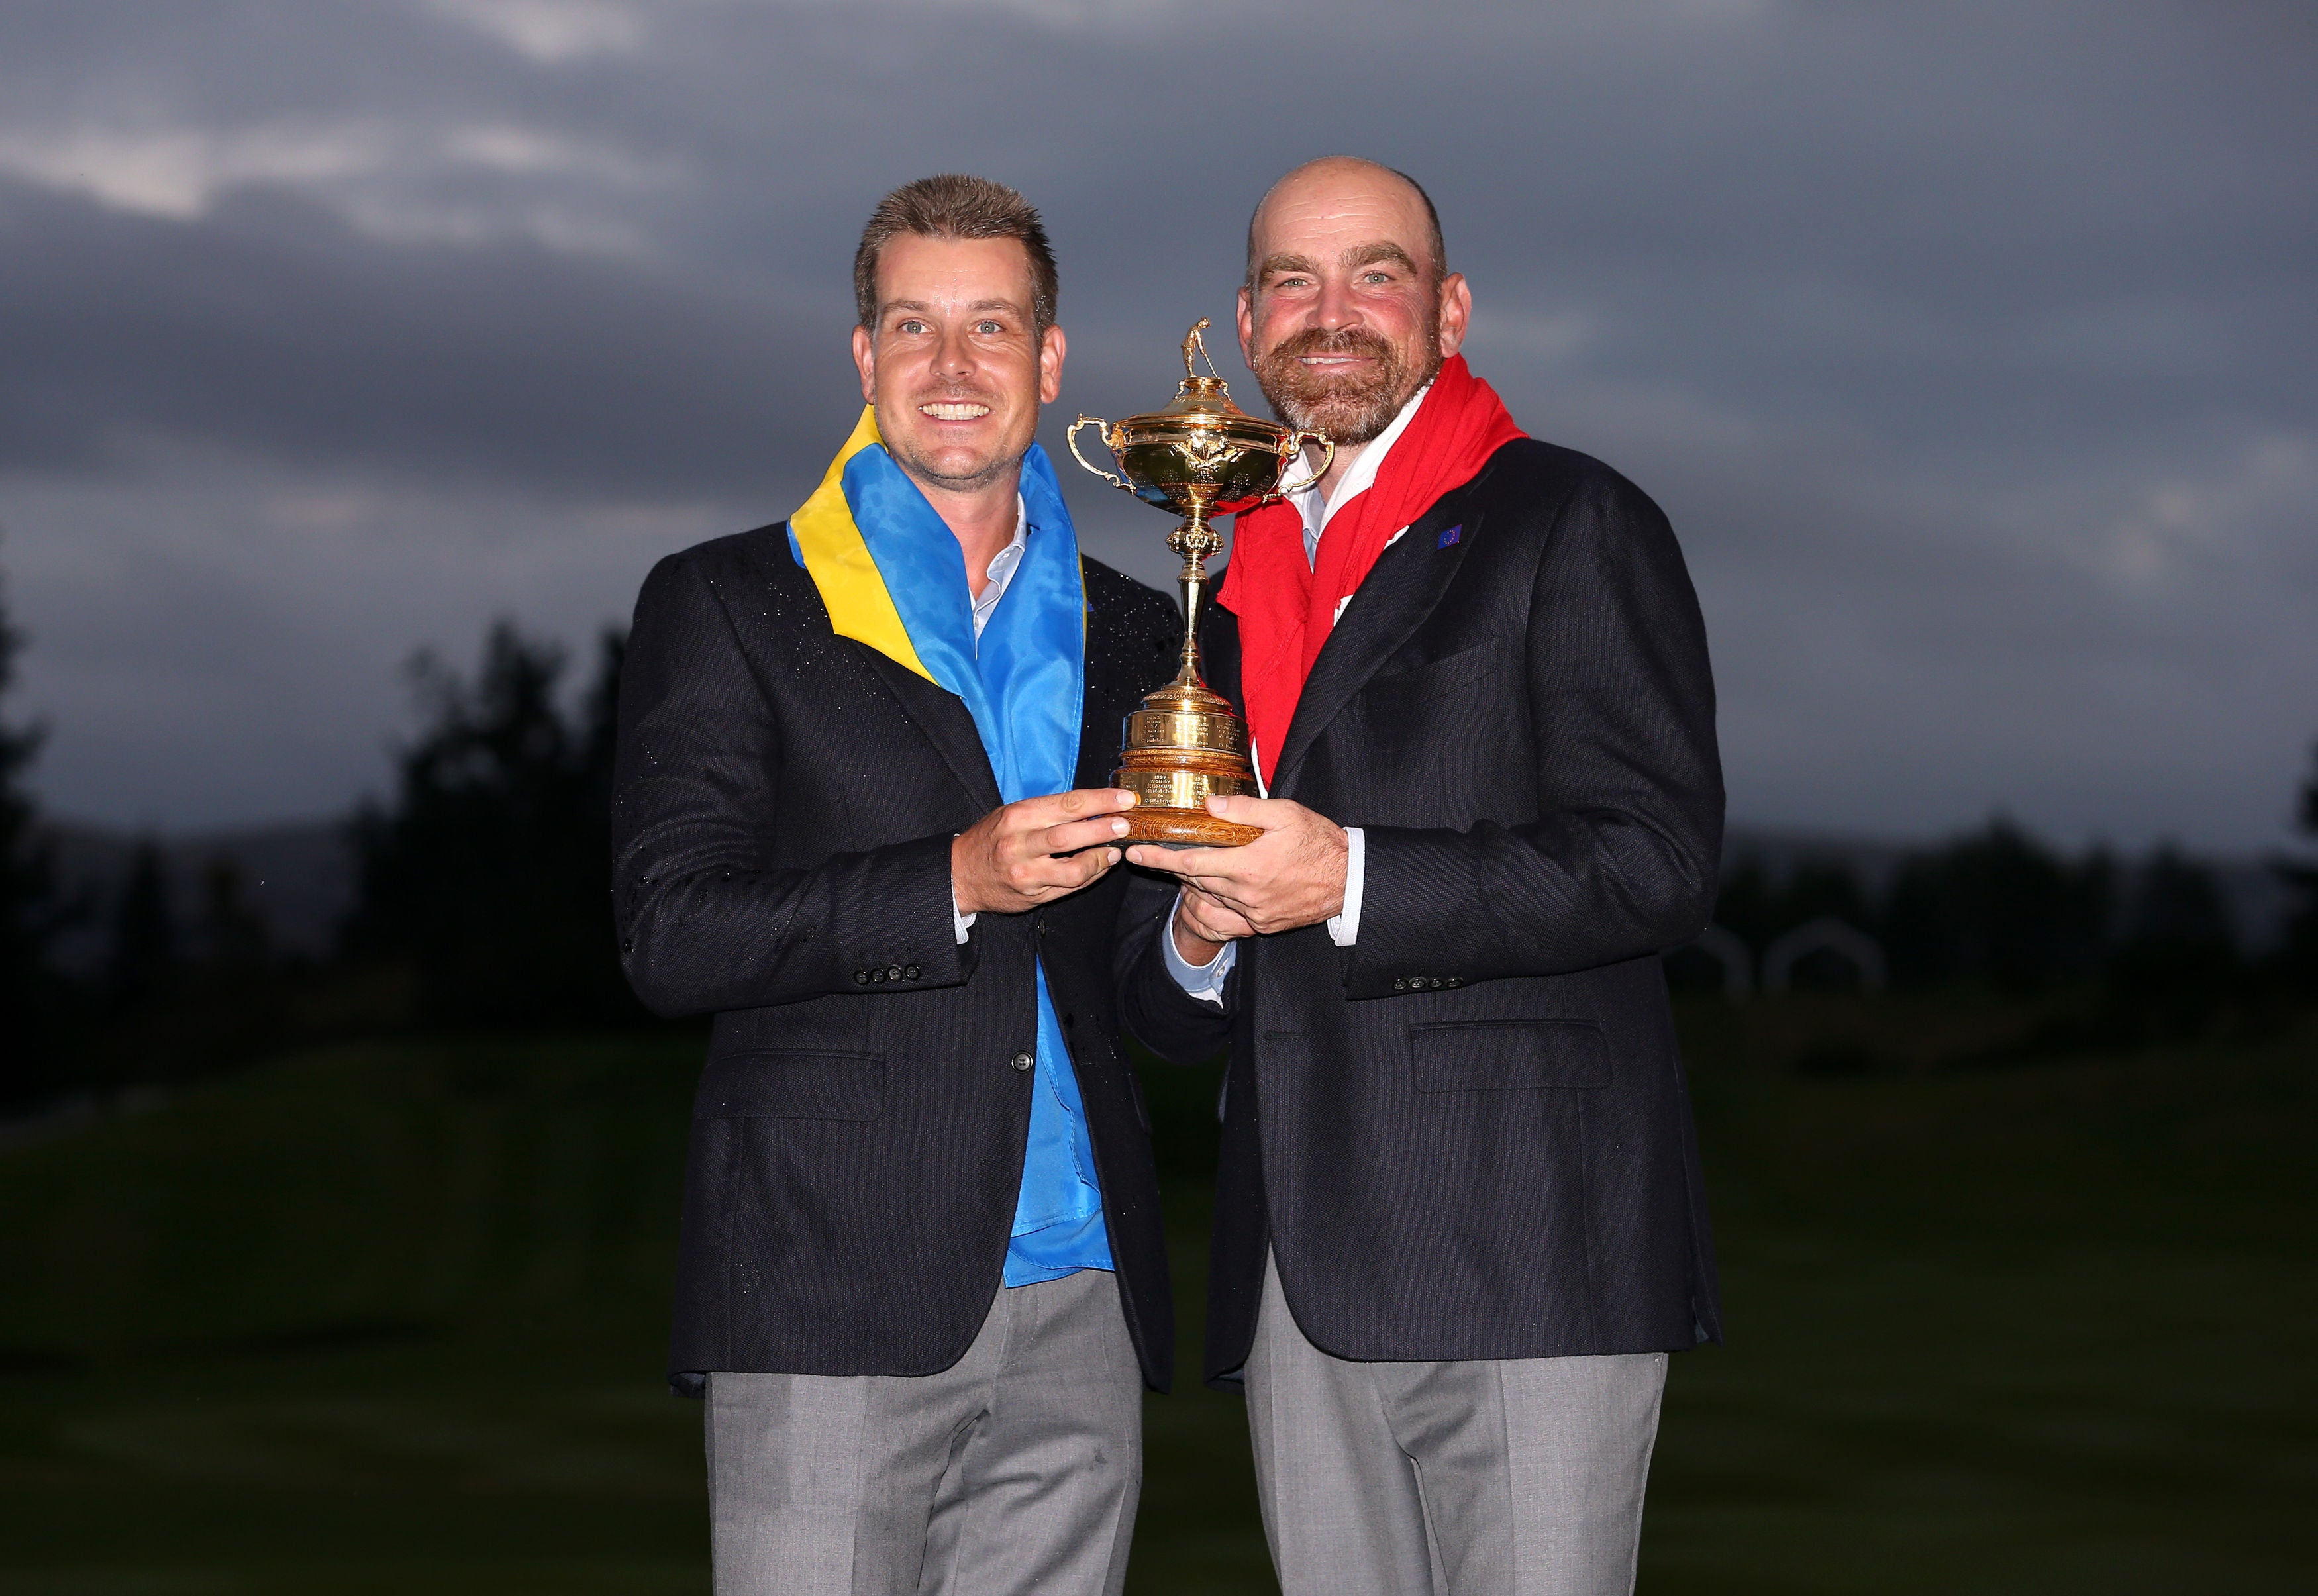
(1824, 935)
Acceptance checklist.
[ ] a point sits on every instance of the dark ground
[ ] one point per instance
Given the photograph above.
(2000, 1328)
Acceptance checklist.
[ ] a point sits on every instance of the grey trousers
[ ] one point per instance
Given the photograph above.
(1016, 1469)
(1513, 1478)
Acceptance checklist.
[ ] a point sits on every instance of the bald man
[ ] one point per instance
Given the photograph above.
(1460, 1222)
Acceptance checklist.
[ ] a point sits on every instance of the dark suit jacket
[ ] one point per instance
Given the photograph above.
(782, 815)
(1467, 1136)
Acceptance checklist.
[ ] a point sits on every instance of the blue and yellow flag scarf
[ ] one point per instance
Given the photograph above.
(892, 578)
(891, 574)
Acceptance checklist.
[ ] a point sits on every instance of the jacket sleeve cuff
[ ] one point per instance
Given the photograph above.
(1407, 947)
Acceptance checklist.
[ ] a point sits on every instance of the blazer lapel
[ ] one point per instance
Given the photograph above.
(1390, 603)
(948, 725)
(940, 714)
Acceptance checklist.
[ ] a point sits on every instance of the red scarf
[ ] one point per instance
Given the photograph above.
(1286, 607)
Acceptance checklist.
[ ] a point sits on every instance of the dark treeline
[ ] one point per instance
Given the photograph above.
(1998, 905)
(2150, 939)
(484, 882)
(488, 877)
(483, 902)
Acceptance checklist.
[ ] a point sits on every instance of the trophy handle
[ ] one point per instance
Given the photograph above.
(1071, 436)
(1295, 441)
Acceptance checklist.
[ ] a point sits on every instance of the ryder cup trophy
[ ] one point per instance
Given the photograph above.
(1202, 456)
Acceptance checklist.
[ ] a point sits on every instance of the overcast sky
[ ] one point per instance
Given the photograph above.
(1973, 349)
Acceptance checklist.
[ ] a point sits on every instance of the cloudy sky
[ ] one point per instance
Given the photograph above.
(1974, 349)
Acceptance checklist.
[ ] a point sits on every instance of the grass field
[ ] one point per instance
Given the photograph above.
(2025, 1330)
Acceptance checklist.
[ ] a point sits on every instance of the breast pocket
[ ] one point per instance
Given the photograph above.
(1510, 1055)
(1404, 693)
(772, 1083)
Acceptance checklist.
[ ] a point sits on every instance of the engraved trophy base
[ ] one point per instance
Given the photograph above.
(1183, 745)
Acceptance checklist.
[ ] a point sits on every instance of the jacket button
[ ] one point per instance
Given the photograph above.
(861, 978)
(1434, 984)
(1400, 984)
(627, 944)
(1455, 980)
(878, 976)
(893, 973)
(1023, 1061)
(909, 973)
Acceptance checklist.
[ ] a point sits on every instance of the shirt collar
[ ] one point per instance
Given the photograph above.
(1357, 478)
(1002, 567)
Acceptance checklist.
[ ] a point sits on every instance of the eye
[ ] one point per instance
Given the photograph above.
(910, 325)
(1290, 285)
(989, 328)
(1375, 279)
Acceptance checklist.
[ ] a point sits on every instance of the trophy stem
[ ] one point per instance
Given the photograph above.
(1195, 541)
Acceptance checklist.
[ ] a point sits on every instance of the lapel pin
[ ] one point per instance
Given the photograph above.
(1453, 535)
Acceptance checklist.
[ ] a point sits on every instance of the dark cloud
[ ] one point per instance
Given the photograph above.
(270, 327)
(1971, 347)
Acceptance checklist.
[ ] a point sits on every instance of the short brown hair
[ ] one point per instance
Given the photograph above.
(952, 206)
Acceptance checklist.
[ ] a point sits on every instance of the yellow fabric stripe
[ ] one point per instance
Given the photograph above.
(838, 562)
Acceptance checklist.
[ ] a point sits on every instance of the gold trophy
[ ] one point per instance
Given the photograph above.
(1202, 456)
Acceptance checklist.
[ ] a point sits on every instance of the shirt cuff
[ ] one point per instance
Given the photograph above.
(961, 923)
(1344, 927)
(1203, 981)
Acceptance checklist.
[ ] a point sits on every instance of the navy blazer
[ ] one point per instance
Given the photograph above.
(782, 813)
(1467, 1136)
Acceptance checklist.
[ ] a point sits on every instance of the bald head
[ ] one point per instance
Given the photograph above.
(1350, 305)
(1394, 203)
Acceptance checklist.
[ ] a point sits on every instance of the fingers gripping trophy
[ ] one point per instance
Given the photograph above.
(1199, 456)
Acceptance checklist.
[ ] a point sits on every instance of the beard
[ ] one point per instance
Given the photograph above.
(1350, 408)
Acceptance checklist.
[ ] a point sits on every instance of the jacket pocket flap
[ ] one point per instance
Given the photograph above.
(1510, 1055)
(768, 1083)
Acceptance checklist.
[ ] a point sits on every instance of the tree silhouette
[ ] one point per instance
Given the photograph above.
(492, 875)
(144, 931)
(2299, 954)
(1998, 905)
(29, 997)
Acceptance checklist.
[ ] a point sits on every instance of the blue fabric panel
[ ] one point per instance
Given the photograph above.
(1025, 684)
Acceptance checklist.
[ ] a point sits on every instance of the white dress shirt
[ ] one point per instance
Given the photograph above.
(1206, 981)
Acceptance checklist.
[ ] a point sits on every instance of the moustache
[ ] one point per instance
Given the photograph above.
(1321, 341)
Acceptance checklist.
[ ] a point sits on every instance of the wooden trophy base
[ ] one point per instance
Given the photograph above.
(1186, 828)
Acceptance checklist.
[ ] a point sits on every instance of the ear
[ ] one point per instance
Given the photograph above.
(865, 361)
(1245, 316)
(1052, 347)
(1456, 313)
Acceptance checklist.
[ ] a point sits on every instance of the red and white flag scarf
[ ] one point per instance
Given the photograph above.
(1285, 606)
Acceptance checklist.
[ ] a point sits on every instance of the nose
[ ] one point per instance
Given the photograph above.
(1334, 309)
(954, 355)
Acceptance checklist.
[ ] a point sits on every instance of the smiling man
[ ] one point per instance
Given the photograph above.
(1459, 1223)
(860, 817)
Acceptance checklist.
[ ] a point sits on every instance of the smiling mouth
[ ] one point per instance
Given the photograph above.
(953, 410)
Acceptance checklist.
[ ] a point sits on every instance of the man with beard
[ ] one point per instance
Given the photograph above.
(860, 817)
(1460, 1222)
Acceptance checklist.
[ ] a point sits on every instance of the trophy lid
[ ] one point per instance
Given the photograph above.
(1197, 396)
